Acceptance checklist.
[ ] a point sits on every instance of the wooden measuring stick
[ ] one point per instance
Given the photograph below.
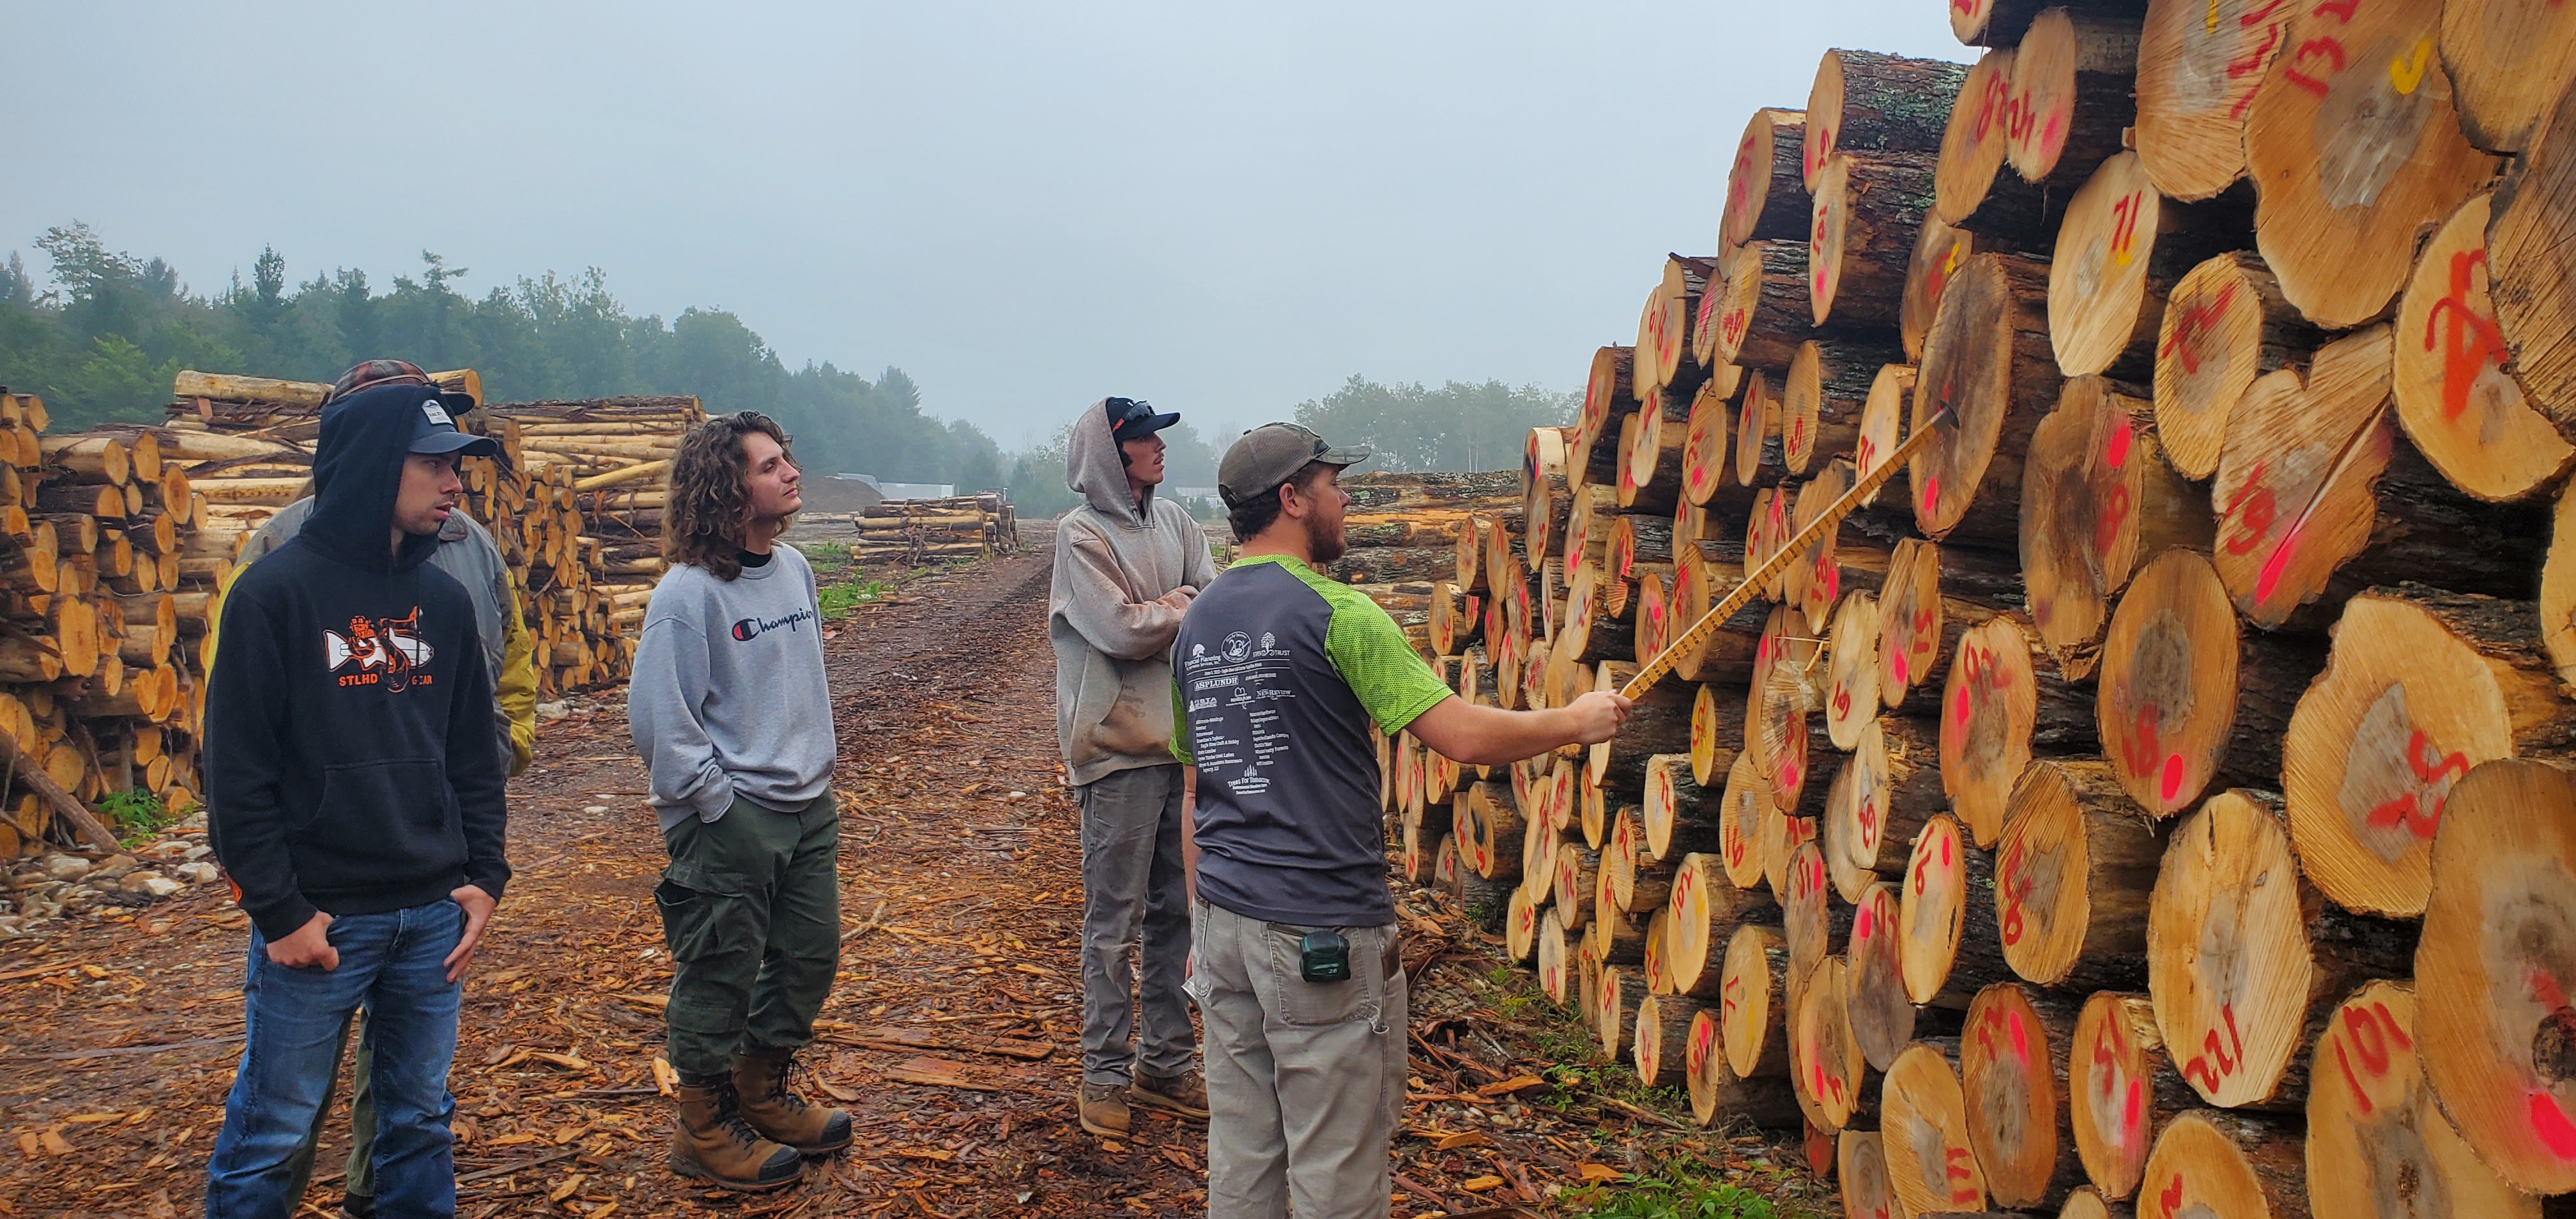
(1779, 561)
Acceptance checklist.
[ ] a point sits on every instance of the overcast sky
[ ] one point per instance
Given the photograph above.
(1026, 207)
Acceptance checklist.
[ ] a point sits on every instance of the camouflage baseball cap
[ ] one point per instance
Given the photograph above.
(1272, 454)
(368, 374)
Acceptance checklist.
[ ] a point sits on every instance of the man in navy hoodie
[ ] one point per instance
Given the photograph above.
(354, 790)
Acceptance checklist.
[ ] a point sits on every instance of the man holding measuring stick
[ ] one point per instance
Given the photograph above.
(1279, 672)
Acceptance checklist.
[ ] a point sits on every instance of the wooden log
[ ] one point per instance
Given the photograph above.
(2376, 1142)
(1827, 390)
(1489, 833)
(1810, 922)
(1851, 673)
(59, 803)
(1952, 946)
(2168, 694)
(1940, 249)
(1869, 210)
(1717, 729)
(1863, 101)
(2496, 1047)
(1882, 794)
(1762, 312)
(1651, 454)
(2348, 173)
(1745, 814)
(1757, 428)
(1680, 816)
(1826, 1066)
(2098, 499)
(2197, 70)
(1608, 394)
(1881, 1015)
(2072, 82)
(2460, 404)
(1990, 710)
(1988, 362)
(1547, 496)
(1923, 1128)
(2012, 1061)
(2420, 687)
(1662, 1046)
(1784, 691)
(1754, 1010)
(1861, 1168)
(1703, 575)
(1578, 870)
(1611, 936)
(1614, 1010)
(2118, 1095)
(2228, 961)
(2074, 878)
(1910, 620)
(2103, 303)
(2208, 1162)
(2505, 59)
(1520, 927)
(1973, 146)
(1716, 1091)
(2293, 488)
(1706, 909)
(1551, 957)
(1766, 194)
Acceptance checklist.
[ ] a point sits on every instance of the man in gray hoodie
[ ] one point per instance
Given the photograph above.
(1126, 566)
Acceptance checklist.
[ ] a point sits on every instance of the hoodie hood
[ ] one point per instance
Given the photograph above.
(357, 472)
(1092, 468)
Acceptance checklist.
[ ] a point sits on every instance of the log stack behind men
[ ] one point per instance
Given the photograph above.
(1297, 975)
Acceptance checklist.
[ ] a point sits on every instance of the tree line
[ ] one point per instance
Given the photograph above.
(103, 337)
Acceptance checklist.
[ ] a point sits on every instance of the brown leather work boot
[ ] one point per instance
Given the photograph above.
(774, 1110)
(1103, 1109)
(1184, 1094)
(712, 1144)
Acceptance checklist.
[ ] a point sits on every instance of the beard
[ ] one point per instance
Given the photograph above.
(1323, 548)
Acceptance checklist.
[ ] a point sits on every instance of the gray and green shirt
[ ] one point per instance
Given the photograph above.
(1277, 674)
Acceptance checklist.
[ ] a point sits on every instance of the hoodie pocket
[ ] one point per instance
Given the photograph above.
(1117, 715)
(382, 822)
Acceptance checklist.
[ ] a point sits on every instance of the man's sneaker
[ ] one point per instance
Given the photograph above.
(775, 1110)
(1103, 1109)
(710, 1143)
(1184, 1094)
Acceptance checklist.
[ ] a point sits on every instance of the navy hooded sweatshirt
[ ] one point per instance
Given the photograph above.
(350, 761)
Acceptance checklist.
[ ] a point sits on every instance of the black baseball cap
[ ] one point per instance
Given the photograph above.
(1272, 454)
(1134, 418)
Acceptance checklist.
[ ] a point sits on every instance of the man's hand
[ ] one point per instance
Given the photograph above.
(1595, 717)
(478, 912)
(1179, 598)
(308, 947)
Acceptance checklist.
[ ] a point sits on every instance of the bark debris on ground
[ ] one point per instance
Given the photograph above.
(952, 1034)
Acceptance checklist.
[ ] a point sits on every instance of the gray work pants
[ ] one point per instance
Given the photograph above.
(1131, 884)
(1305, 1079)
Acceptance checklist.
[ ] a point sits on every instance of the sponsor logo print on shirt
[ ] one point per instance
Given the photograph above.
(386, 651)
(753, 628)
(1238, 647)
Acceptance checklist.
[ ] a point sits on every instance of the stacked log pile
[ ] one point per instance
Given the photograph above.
(101, 612)
(2071, 830)
(574, 499)
(945, 530)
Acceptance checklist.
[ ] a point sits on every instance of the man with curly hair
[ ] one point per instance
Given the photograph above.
(729, 708)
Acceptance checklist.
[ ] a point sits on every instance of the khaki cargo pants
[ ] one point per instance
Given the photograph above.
(1305, 1080)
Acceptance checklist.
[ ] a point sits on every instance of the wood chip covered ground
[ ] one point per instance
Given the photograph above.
(953, 1033)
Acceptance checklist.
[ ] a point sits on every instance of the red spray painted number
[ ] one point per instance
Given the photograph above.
(2216, 1062)
(2171, 1198)
(2329, 49)
(2471, 343)
(2370, 1031)
(2252, 511)
(2015, 885)
(2421, 811)
(2197, 321)
(1961, 1168)
(2124, 228)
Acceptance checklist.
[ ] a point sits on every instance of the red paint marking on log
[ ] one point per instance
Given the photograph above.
(1931, 493)
(2549, 1121)
(2172, 1196)
(2124, 228)
(2471, 343)
(2197, 322)
(2169, 782)
(2327, 47)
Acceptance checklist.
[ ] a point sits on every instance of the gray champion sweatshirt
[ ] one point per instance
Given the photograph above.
(727, 698)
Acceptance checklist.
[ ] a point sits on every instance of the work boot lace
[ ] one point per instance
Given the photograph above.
(783, 1076)
(729, 1116)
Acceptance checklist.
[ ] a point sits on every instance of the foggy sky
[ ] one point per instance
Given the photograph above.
(1025, 207)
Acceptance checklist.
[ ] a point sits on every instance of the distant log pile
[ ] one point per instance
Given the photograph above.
(2073, 829)
(948, 530)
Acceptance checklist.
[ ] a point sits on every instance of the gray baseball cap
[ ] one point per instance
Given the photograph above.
(1272, 454)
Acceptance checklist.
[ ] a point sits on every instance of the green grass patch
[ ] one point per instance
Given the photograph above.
(839, 599)
(1641, 1198)
(138, 815)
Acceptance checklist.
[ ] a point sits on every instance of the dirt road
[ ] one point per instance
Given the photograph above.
(952, 1033)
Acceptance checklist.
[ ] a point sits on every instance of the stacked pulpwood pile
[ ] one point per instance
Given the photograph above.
(100, 684)
(2072, 830)
(948, 529)
(574, 499)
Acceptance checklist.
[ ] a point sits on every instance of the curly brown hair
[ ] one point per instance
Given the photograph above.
(706, 495)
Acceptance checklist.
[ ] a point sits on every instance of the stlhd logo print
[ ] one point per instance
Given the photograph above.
(753, 628)
(386, 651)
(1238, 647)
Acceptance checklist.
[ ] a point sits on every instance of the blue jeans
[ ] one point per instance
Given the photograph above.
(391, 965)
